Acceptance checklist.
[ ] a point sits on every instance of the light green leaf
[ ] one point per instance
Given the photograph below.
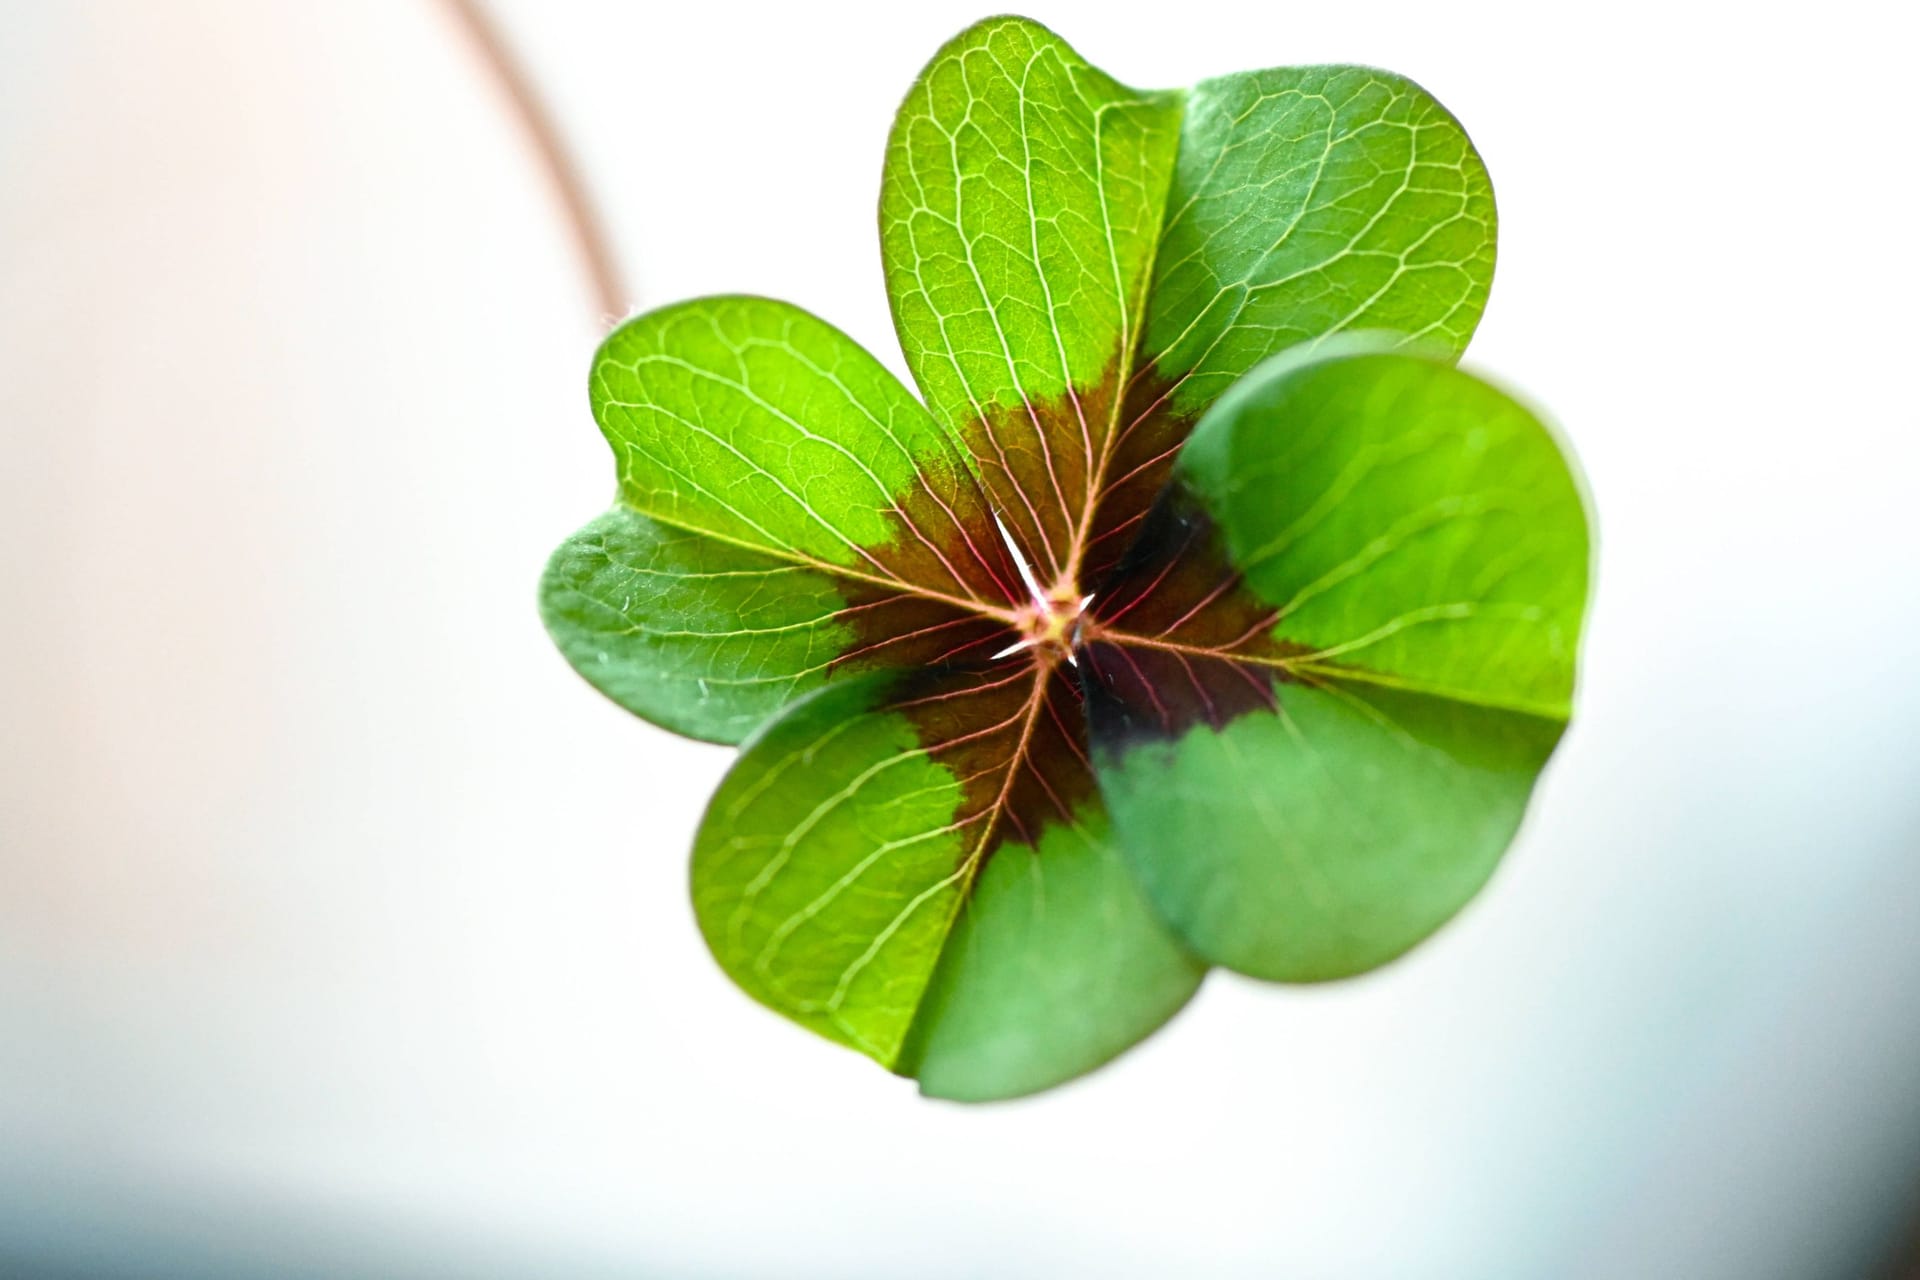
(788, 513)
(830, 865)
(916, 866)
(756, 424)
(1079, 268)
(1019, 213)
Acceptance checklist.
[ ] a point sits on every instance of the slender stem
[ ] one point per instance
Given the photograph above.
(589, 233)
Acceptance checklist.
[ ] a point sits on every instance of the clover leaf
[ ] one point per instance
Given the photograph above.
(1137, 646)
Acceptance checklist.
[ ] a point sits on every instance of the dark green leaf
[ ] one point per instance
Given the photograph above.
(1057, 964)
(1321, 760)
(709, 639)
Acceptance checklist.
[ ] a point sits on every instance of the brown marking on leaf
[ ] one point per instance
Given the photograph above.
(1038, 461)
(951, 567)
(1172, 640)
(1014, 736)
(1147, 438)
(895, 629)
(942, 540)
(1011, 730)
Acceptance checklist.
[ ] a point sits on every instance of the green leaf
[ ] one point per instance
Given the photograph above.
(835, 861)
(1057, 964)
(1078, 268)
(700, 636)
(830, 865)
(1328, 836)
(788, 513)
(1410, 524)
(756, 424)
(1399, 554)
(709, 639)
(1019, 215)
(1307, 201)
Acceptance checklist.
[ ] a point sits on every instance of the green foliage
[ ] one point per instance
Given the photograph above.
(1140, 646)
(1414, 547)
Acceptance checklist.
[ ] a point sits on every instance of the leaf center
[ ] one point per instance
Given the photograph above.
(1049, 623)
(1050, 628)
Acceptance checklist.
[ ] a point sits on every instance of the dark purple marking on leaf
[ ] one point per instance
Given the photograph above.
(1147, 437)
(1175, 638)
(1136, 694)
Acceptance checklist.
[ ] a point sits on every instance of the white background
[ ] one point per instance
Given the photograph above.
(344, 931)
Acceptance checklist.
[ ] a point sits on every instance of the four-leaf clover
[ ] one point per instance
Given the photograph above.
(1136, 646)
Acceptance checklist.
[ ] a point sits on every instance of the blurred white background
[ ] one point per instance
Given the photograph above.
(343, 931)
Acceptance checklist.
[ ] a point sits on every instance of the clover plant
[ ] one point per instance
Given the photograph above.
(1198, 612)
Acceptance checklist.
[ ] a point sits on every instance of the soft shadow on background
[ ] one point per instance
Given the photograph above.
(344, 932)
